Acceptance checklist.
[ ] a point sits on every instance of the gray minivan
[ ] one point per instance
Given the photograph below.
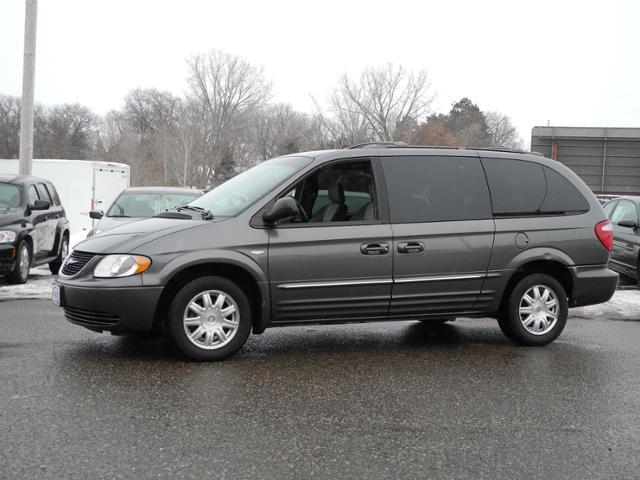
(374, 232)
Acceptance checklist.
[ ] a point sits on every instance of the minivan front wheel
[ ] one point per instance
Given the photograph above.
(536, 310)
(209, 319)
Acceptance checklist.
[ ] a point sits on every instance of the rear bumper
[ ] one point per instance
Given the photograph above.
(116, 310)
(592, 284)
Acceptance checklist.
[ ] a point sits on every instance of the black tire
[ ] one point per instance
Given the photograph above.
(19, 275)
(503, 323)
(62, 253)
(514, 328)
(176, 330)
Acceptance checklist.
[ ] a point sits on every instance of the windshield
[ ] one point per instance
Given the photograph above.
(9, 196)
(148, 204)
(236, 194)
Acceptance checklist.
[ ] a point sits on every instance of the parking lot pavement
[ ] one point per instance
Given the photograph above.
(387, 400)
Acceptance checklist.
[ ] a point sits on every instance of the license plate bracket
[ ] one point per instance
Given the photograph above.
(56, 294)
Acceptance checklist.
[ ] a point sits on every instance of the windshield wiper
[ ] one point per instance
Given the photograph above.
(206, 214)
(118, 216)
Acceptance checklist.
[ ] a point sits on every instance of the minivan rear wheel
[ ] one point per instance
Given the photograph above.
(536, 311)
(209, 319)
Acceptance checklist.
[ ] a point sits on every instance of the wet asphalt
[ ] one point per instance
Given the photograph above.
(386, 400)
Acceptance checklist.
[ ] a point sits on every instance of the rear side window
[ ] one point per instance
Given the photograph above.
(436, 189)
(52, 193)
(517, 187)
(528, 188)
(42, 192)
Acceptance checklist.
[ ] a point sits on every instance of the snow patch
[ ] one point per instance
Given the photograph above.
(625, 305)
(37, 287)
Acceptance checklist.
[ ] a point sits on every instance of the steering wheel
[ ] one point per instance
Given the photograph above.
(302, 211)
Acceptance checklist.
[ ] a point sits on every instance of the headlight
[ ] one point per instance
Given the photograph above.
(7, 236)
(121, 266)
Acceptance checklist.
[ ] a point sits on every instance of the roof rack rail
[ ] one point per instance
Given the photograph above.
(497, 149)
(378, 144)
(406, 145)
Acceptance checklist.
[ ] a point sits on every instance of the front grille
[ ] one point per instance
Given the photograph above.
(90, 319)
(76, 262)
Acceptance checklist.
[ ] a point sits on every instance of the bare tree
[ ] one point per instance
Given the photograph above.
(65, 131)
(502, 132)
(9, 126)
(153, 117)
(279, 129)
(228, 89)
(187, 147)
(384, 103)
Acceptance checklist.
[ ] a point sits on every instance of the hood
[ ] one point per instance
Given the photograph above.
(127, 238)
(107, 223)
(10, 216)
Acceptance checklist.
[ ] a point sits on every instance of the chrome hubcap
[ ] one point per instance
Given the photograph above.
(539, 309)
(64, 250)
(23, 262)
(211, 319)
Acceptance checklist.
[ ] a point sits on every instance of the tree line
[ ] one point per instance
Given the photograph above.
(228, 121)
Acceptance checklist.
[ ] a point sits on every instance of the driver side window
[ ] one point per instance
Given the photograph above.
(625, 210)
(33, 194)
(337, 192)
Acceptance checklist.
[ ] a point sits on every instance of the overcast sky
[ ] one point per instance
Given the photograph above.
(567, 62)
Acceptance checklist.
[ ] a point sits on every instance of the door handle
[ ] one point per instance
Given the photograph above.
(374, 248)
(410, 247)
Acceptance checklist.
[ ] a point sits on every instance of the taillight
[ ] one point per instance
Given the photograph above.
(604, 232)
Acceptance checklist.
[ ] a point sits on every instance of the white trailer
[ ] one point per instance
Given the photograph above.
(82, 185)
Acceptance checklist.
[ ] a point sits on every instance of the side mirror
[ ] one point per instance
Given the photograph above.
(628, 224)
(40, 205)
(96, 214)
(285, 207)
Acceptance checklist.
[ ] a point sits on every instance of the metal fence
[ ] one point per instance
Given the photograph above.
(607, 159)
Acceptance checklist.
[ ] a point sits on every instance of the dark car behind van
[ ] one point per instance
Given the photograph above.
(34, 229)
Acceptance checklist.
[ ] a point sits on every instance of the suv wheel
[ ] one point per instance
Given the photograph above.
(209, 319)
(536, 311)
(62, 254)
(20, 272)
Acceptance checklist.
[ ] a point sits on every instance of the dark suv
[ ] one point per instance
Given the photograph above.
(34, 229)
(377, 232)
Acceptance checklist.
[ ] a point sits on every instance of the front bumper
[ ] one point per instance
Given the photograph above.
(112, 309)
(7, 258)
(592, 284)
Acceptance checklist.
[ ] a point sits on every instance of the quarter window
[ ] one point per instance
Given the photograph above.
(562, 196)
(436, 189)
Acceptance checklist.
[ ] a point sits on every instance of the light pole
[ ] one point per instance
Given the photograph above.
(28, 85)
